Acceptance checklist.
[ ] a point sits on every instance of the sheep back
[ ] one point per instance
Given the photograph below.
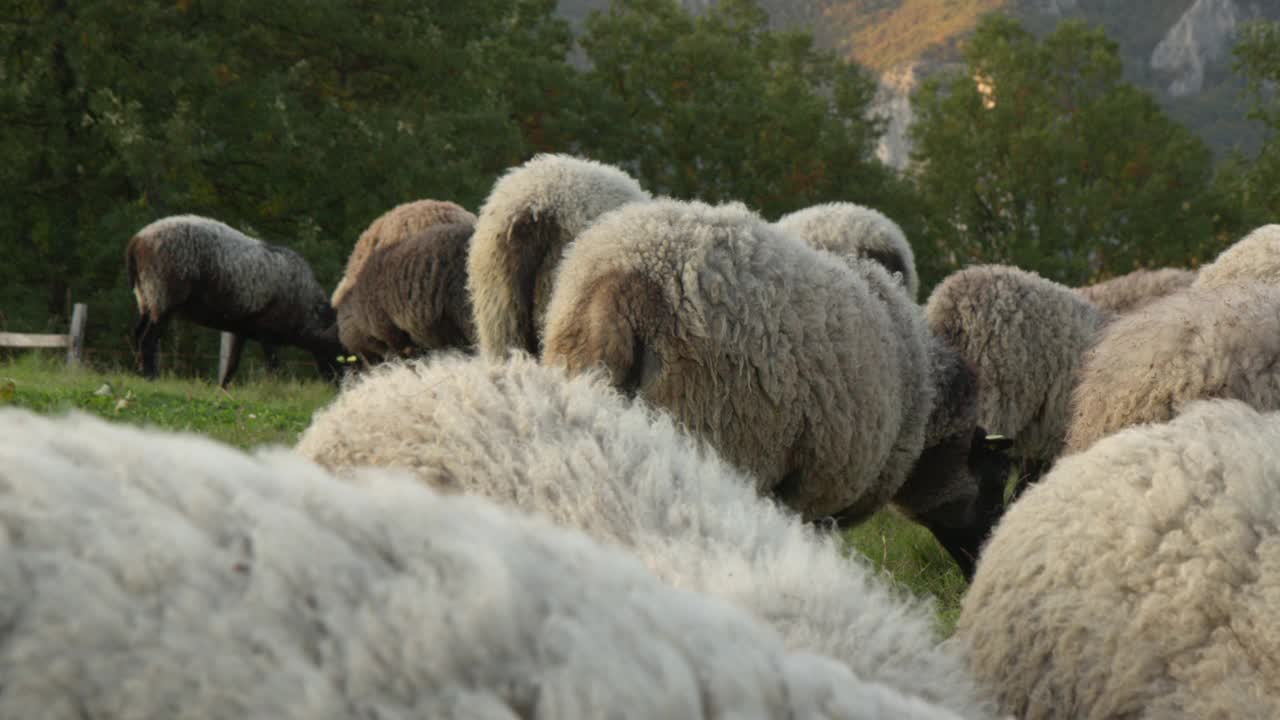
(400, 222)
(1134, 290)
(852, 230)
(1025, 336)
(788, 361)
(1256, 256)
(1140, 578)
(1198, 343)
(533, 212)
(222, 278)
(411, 296)
(574, 450)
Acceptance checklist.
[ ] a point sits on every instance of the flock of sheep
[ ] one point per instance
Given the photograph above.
(589, 461)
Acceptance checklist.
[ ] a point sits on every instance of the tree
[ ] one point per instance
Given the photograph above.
(718, 107)
(1255, 186)
(1038, 154)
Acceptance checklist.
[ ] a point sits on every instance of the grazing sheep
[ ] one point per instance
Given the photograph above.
(410, 297)
(1025, 336)
(1134, 290)
(1221, 342)
(574, 450)
(808, 373)
(400, 222)
(1256, 256)
(221, 278)
(532, 214)
(847, 229)
(1140, 579)
(160, 575)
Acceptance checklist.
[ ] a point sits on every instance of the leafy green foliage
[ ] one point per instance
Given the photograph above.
(1255, 187)
(1038, 154)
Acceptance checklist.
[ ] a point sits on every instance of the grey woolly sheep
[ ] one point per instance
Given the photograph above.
(410, 297)
(1140, 578)
(1134, 290)
(809, 374)
(574, 450)
(532, 214)
(400, 222)
(216, 276)
(158, 575)
(1025, 336)
(1256, 256)
(851, 230)
(1221, 342)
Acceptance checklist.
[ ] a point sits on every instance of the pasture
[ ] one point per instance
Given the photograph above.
(260, 410)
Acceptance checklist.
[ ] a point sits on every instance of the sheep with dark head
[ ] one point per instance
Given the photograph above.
(410, 297)
(400, 222)
(532, 214)
(1134, 290)
(218, 277)
(851, 230)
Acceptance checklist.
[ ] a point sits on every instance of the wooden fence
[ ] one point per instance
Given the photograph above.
(73, 341)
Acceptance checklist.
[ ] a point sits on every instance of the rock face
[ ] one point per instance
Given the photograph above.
(893, 102)
(1202, 35)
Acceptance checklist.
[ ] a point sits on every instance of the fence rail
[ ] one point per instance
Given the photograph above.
(73, 340)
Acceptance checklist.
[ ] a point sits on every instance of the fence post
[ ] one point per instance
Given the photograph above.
(75, 339)
(224, 354)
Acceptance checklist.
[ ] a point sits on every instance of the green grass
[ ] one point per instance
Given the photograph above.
(265, 411)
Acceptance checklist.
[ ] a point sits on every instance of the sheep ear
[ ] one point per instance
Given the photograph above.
(991, 443)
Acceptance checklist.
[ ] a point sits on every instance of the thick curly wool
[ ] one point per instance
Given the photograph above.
(1025, 336)
(532, 214)
(1140, 579)
(848, 229)
(809, 374)
(1221, 342)
(1256, 256)
(400, 222)
(1136, 289)
(221, 278)
(577, 452)
(154, 575)
(411, 297)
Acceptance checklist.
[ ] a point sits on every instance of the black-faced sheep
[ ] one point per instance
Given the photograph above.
(532, 214)
(1025, 336)
(402, 221)
(1220, 342)
(1131, 291)
(154, 575)
(410, 297)
(851, 230)
(574, 450)
(218, 277)
(1256, 256)
(1140, 578)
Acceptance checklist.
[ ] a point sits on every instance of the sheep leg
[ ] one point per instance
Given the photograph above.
(149, 331)
(271, 354)
(233, 359)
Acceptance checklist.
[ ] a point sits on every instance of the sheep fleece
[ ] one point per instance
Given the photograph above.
(794, 365)
(1140, 579)
(577, 452)
(1256, 256)
(1134, 290)
(1199, 343)
(155, 575)
(848, 229)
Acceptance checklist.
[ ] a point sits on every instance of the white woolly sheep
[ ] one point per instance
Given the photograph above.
(410, 297)
(157, 575)
(532, 214)
(218, 277)
(1025, 336)
(809, 374)
(574, 450)
(1221, 342)
(1256, 256)
(1134, 290)
(400, 222)
(848, 229)
(1140, 579)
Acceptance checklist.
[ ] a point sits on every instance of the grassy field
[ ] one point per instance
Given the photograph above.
(264, 411)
